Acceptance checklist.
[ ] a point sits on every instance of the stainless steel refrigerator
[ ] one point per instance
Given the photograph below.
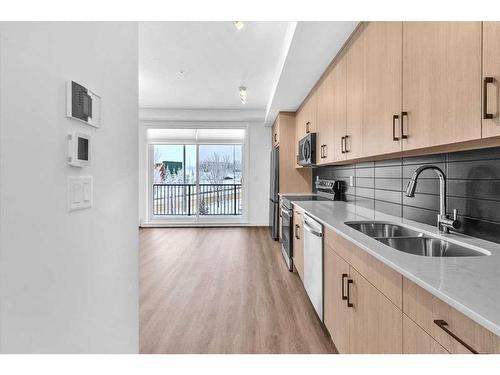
(274, 204)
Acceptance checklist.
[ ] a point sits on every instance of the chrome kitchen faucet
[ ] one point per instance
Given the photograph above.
(444, 223)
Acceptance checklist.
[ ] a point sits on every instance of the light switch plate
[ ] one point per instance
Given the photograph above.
(351, 180)
(80, 192)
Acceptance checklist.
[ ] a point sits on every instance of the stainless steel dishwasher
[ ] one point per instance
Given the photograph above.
(313, 263)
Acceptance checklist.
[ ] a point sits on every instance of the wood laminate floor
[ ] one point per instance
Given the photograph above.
(222, 290)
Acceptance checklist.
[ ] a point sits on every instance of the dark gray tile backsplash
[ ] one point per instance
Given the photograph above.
(473, 187)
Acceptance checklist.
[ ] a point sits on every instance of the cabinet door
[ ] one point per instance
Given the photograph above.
(336, 310)
(491, 69)
(299, 133)
(375, 323)
(298, 243)
(311, 113)
(275, 140)
(417, 341)
(355, 78)
(441, 83)
(426, 310)
(382, 67)
(339, 118)
(324, 138)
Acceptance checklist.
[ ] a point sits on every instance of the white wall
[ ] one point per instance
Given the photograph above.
(259, 174)
(258, 164)
(68, 281)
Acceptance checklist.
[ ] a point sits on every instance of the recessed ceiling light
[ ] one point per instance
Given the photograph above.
(243, 94)
(239, 25)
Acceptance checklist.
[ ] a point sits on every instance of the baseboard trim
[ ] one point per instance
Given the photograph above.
(201, 225)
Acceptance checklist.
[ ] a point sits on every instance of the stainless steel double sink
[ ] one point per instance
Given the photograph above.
(412, 241)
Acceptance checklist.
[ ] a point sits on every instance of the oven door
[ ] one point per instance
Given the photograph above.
(286, 236)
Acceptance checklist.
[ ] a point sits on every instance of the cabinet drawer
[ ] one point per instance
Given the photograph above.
(417, 341)
(385, 279)
(424, 309)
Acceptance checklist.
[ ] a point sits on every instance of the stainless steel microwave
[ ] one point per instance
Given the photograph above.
(307, 150)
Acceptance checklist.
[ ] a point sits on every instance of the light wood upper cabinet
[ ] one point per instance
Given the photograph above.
(375, 323)
(339, 119)
(441, 83)
(311, 113)
(382, 87)
(291, 179)
(353, 143)
(324, 129)
(336, 313)
(276, 132)
(491, 79)
(306, 116)
(300, 130)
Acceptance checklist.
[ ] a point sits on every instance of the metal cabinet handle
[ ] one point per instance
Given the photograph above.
(297, 231)
(443, 324)
(323, 153)
(403, 115)
(486, 115)
(349, 282)
(394, 118)
(342, 144)
(344, 297)
(307, 127)
(275, 137)
(345, 143)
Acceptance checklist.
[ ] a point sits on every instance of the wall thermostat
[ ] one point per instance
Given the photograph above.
(83, 104)
(79, 149)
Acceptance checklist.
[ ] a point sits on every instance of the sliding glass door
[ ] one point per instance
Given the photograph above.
(193, 181)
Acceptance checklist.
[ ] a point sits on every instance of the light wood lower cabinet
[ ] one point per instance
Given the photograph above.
(336, 313)
(359, 317)
(298, 241)
(454, 331)
(375, 323)
(370, 308)
(417, 341)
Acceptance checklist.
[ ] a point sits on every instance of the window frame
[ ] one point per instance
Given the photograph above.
(195, 219)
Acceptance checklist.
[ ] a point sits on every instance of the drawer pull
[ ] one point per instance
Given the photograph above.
(442, 324)
(349, 282)
(344, 275)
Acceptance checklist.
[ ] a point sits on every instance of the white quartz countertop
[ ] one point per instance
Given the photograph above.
(469, 284)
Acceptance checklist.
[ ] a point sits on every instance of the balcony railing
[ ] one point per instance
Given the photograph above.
(186, 199)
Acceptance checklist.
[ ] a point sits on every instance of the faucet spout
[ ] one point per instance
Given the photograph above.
(444, 223)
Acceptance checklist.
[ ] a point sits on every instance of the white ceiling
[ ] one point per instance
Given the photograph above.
(278, 62)
(216, 59)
